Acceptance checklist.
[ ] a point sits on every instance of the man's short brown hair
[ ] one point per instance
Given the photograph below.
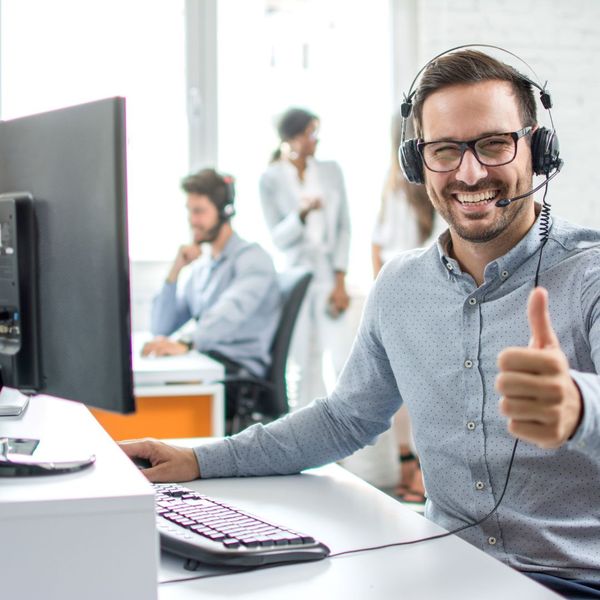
(208, 182)
(471, 66)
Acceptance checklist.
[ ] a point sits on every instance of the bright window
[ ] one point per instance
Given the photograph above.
(67, 52)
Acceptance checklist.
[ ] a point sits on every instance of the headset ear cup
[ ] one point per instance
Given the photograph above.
(545, 151)
(411, 162)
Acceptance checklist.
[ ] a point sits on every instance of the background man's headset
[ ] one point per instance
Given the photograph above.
(227, 210)
(544, 142)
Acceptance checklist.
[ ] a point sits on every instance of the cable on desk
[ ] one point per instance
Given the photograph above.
(442, 535)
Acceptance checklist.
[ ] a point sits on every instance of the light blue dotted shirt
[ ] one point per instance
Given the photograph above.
(235, 300)
(430, 338)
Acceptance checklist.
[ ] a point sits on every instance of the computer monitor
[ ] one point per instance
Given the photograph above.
(64, 261)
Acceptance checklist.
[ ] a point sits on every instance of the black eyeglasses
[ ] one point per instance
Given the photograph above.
(490, 150)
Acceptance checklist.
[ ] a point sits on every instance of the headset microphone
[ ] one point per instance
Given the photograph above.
(506, 201)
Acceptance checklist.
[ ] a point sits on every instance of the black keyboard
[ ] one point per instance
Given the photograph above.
(199, 528)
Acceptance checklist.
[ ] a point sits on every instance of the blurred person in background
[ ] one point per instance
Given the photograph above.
(305, 208)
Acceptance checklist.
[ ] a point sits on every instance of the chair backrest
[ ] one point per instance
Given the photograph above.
(293, 285)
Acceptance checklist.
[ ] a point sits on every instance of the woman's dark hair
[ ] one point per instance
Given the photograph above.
(471, 66)
(292, 122)
(208, 182)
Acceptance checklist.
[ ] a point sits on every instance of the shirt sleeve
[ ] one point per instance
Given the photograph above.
(359, 409)
(342, 241)
(286, 228)
(254, 279)
(378, 237)
(170, 310)
(587, 436)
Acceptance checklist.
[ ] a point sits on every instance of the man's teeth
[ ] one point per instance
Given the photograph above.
(474, 198)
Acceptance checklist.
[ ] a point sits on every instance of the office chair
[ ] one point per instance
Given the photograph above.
(253, 399)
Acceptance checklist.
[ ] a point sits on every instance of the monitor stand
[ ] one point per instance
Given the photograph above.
(16, 454)
(13, 403)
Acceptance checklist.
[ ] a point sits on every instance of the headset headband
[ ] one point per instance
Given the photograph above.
(406, 106)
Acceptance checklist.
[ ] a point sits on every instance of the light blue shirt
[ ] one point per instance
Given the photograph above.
(235, 300)
(430, 338)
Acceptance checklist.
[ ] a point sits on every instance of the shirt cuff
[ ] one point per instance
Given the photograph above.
(215, 460)
(585, 438)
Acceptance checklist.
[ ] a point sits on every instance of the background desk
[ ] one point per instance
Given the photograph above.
(176, 396)
(346, 513)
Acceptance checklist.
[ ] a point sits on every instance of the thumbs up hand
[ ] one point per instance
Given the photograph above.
(542, 402)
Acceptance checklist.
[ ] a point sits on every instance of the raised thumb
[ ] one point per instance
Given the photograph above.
(540, 326)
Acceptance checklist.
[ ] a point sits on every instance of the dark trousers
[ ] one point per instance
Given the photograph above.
(573, 589)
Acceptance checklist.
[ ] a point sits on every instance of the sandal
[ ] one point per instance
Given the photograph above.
(412, 497)
(407, 474)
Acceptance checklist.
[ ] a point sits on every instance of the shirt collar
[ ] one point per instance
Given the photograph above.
(506, 264)
(230, 248)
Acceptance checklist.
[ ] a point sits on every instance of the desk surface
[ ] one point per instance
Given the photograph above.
(346, 513)
(190, 368)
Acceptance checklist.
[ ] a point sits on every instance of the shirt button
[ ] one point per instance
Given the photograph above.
(472, 301)
(504, 274)
(492, 541)
(449, 266)
(479, 485)
(468, 363)
(470, 425)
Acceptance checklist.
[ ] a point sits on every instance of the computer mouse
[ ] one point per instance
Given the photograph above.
(141, 463)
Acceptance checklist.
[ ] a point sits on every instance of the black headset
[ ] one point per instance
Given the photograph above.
(227, 210)
(545, 149)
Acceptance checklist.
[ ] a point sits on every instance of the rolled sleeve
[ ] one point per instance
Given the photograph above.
(286, 228)
(586, 438)
(169, 311)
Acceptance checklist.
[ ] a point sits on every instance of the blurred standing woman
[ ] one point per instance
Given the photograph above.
(406, 216)
(305, 207)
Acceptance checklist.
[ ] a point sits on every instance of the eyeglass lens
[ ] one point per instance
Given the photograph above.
(492, 150)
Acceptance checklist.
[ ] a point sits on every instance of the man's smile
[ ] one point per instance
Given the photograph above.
(479, 197)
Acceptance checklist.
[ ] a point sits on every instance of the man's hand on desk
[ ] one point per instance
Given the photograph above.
(170, 464)
(163, 346)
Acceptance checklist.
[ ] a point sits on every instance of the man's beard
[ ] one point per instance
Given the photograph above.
(444, 203)
(209, 235)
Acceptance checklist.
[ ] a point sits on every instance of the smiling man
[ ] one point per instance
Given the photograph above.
(232, 290)
(458, 333)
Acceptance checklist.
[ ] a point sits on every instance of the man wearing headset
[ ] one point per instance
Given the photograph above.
(231, 292)
(458, 333)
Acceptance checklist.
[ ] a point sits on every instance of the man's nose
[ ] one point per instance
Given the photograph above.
(470, 170)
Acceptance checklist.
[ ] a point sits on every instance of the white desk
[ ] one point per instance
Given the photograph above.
(175, 395)
(191, 374)
(346, 513)
(92, 535)
(89, 534)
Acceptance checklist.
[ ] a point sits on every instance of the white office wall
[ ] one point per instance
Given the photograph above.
(561, 41)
